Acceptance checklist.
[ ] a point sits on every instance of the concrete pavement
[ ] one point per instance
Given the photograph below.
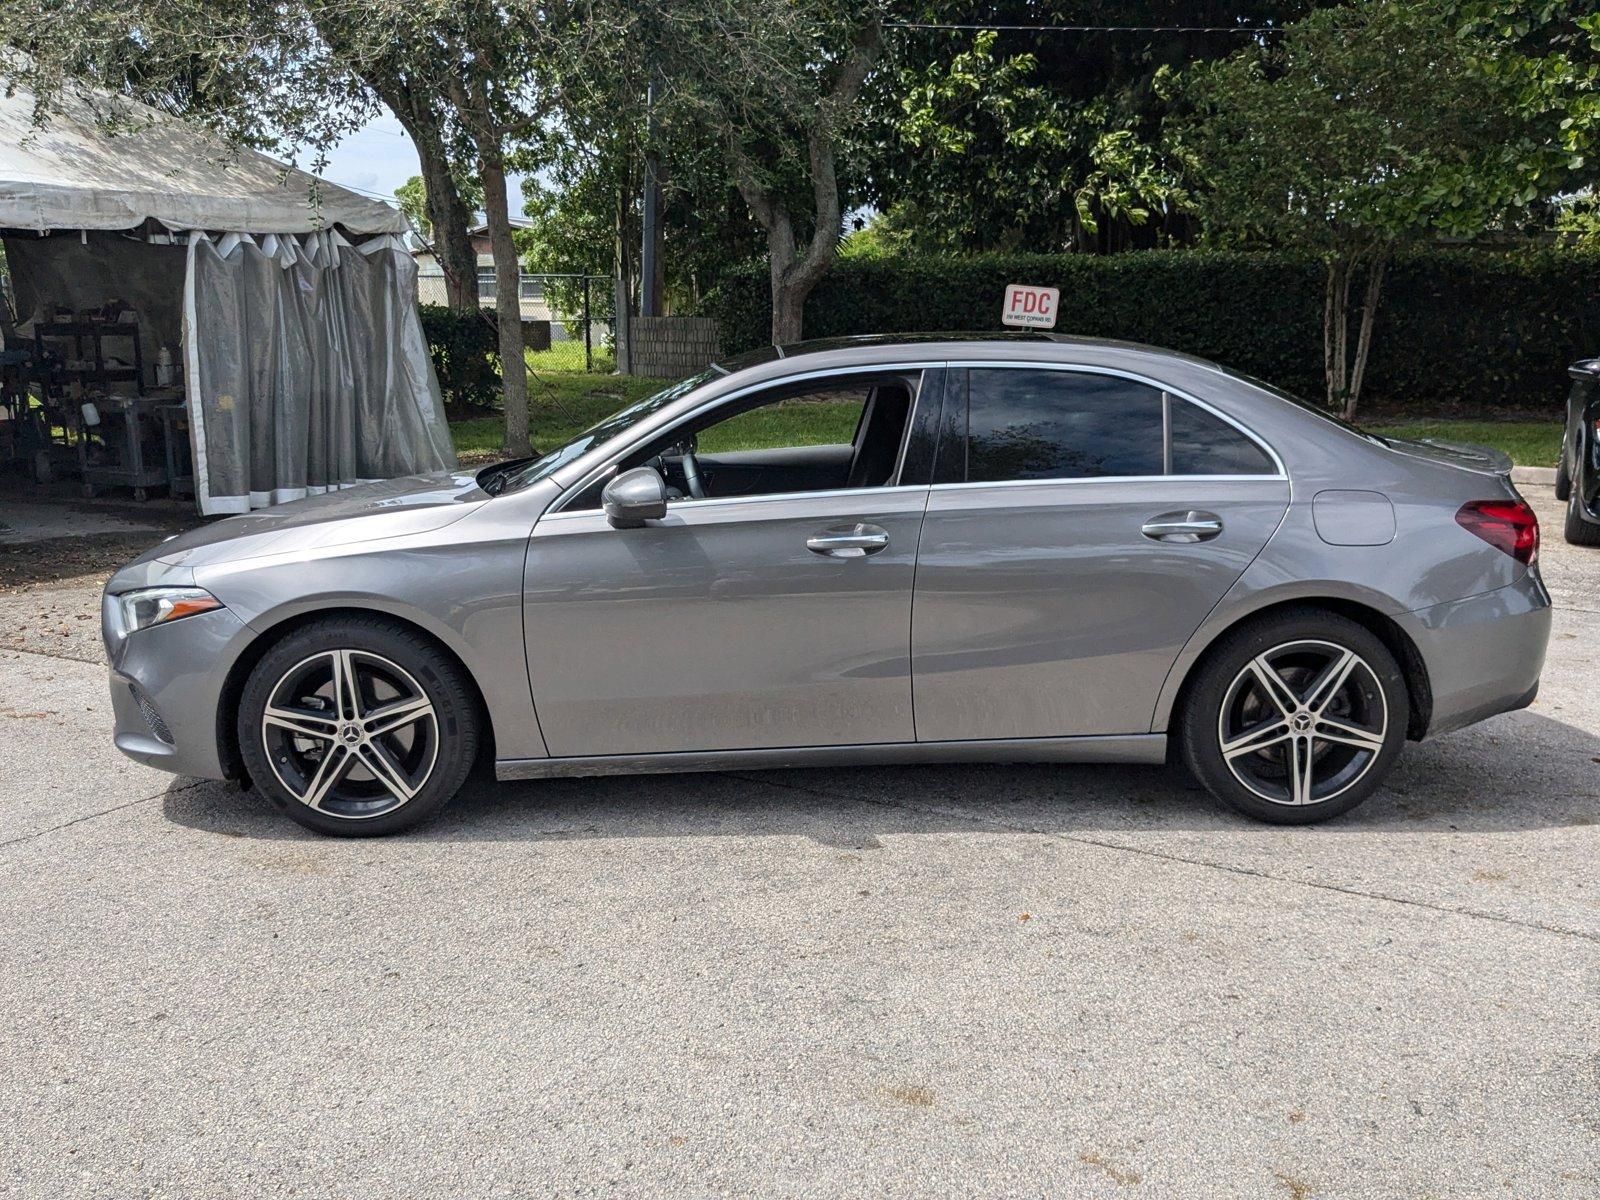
(931, 981)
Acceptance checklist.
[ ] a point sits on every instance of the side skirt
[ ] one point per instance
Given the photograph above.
(1130, 748)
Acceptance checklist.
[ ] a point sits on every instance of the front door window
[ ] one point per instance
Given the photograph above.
(846, 432)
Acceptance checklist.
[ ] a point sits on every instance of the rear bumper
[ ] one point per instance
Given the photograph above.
(178, 671)
(1483, 654)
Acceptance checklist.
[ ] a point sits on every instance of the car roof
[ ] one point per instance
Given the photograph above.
(887, 348)
(1588, 368)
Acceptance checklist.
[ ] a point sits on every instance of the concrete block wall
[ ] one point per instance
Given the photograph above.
(672, 347)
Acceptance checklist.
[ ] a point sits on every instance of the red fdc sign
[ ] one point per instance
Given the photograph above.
(1033, 307)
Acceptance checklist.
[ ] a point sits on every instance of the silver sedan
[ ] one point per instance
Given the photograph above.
(883, 550)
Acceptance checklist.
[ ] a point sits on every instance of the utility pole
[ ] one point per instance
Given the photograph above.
(622, 329)
(650, 260)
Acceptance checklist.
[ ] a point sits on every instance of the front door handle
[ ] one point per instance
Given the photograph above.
(1190, 526)
(848, 541)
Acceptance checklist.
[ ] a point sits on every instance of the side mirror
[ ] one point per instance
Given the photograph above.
(635, 497)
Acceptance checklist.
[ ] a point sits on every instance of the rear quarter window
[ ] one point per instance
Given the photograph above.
(1206, 445)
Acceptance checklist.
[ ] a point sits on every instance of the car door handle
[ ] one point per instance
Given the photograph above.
(1188, 526)
(848, 541)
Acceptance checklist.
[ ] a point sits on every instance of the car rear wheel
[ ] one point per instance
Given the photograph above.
(1295, 718)
(356, 727)
(1579, 530)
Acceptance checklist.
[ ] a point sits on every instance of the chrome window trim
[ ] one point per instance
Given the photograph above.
(691, 505)
(1134, 376)
(1013, 483)
(558, 508)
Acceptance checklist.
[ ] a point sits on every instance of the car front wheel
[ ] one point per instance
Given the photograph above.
(356, 727)
(1295, 718)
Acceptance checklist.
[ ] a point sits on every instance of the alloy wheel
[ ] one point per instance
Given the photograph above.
(1303, 722)
(350, 733)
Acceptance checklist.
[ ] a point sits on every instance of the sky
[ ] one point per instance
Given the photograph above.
(376, 159)
(379, 157)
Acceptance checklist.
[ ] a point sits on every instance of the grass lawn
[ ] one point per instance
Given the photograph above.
(560, 404)
(786, 423)
(565, 402)
(1529, 443)
(568, 356)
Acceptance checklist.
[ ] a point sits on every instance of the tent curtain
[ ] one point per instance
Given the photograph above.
(307, 369)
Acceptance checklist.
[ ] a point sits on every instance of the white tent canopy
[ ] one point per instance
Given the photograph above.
(305, 366)
(71, 173)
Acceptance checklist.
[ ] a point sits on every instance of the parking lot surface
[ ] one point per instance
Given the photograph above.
(945, 981)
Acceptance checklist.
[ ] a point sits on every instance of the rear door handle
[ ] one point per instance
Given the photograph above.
(1190, 526)
(848, 541)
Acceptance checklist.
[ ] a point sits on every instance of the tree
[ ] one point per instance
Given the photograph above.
(447, 202)
(1035, 134)
(1364, 128)
(460, 73)
(774, 84)
(443, 217)
(471, 67)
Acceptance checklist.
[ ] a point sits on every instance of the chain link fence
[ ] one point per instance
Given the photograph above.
(575, 308)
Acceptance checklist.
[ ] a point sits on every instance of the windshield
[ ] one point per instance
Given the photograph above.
(597, 435)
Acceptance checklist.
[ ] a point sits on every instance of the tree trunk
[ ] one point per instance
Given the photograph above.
(451, 220)
(1335, 332)
(448, 213)
(788, 314)
(793, 277)
(1328, 288)
(794, 274)
(1369, 310)
(507, 299)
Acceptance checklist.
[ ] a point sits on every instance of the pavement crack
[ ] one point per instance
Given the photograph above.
(95, 816)
(1168, 856)
(88, 662)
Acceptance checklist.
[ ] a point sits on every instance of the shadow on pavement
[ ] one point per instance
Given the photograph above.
(1513, 773)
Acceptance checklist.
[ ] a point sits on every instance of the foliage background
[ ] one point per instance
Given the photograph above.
(466, 354)
(1489, 330)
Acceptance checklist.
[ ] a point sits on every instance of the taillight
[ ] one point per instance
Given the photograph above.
(1508, 525)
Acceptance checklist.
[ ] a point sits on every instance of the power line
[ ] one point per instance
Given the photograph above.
(1246, 29)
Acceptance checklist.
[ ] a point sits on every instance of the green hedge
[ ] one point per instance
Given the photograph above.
(466, 355)
(1455, 326)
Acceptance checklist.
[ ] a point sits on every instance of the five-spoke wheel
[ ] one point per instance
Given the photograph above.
(1302, 722)
(355, 726)
(1295, 717)
(351, 733)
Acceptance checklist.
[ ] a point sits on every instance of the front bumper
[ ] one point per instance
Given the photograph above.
(166, 690)
(1483, 654)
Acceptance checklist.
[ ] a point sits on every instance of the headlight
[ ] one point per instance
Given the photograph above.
(158, 605)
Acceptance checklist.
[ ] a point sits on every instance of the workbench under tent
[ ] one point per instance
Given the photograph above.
(291, 301)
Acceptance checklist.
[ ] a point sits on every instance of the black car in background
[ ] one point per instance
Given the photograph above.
(1578, 475)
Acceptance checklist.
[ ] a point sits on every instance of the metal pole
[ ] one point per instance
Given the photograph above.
(649, 300)
(588, 342)
(622, 330)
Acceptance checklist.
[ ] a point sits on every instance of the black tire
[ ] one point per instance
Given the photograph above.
(1563, 479)
(382, 657)
(1221, 691)
(1579, 530)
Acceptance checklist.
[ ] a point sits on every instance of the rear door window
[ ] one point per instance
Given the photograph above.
(1042, 424)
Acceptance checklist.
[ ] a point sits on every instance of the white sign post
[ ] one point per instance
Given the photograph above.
(1031, 307)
